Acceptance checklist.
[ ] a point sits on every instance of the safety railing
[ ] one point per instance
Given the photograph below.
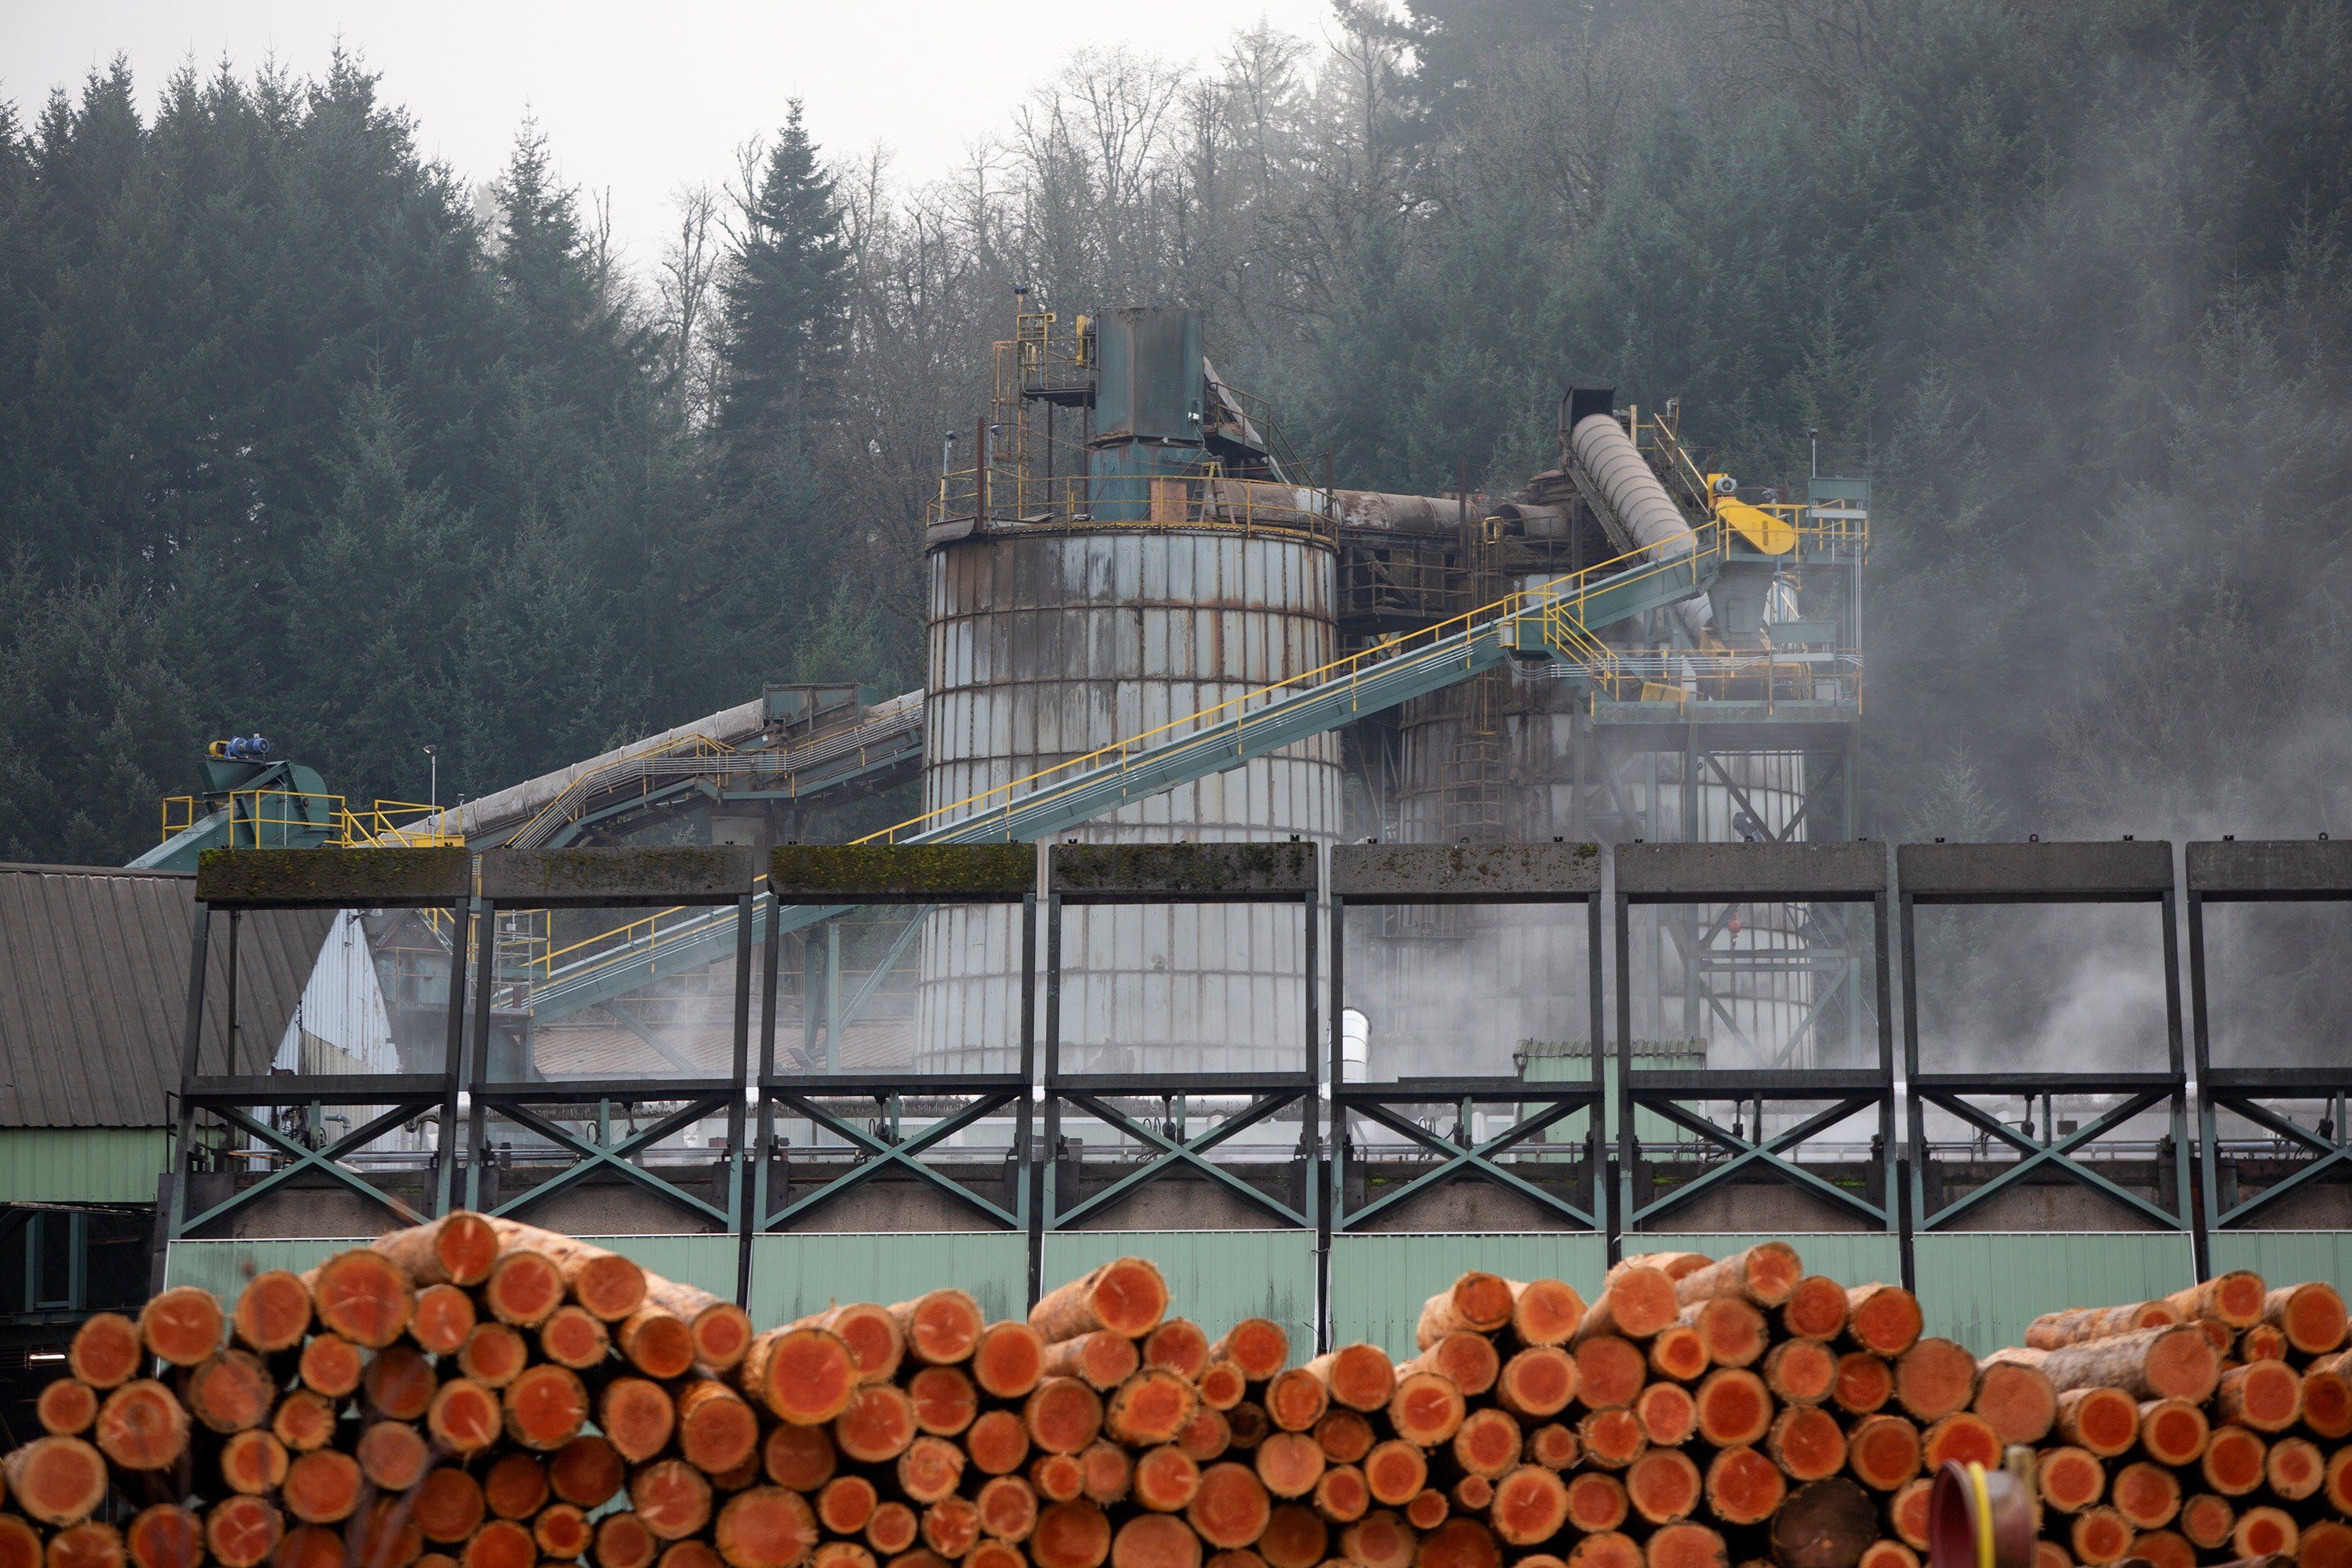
(1569, 596)
(568, 800)
(268, 818)
(1207, 497)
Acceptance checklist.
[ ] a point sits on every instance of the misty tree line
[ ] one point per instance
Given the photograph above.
(298, 434)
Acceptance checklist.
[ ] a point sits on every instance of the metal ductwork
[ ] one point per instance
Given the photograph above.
(1649, 517)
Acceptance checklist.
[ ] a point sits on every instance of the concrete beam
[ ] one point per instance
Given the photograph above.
(1465, 874)
(2077, 873)
(616, 879)
(2260, 868)
(901, 873)
(333, 879)
(1182, 873)
(1738, 873)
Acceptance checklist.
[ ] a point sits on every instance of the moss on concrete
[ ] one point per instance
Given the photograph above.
(332, 878)
(914, 872)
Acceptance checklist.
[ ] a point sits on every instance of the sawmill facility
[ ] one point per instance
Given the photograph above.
(1320, 892)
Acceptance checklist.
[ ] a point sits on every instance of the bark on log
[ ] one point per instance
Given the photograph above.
(2237, 1298)
(1477, 1303)
(1882, 1319)
(2054, 1331)
(2311, 1316)
(1765, 1275)
(1637, 1303)
(1127, 1295)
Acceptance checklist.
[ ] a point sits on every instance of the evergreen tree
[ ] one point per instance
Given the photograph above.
(786, 309)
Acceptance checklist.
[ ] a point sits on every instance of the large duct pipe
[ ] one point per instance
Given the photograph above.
(1616, 469)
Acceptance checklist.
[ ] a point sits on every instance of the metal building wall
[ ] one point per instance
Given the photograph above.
(1047, 643)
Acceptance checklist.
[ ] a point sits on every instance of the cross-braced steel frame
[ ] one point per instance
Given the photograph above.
(1093, 874)
(2126, 872)
(2262, 872)
(253, 881)
(1690, 873)
(1380, 876)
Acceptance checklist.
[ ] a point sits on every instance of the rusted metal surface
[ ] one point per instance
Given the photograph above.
(617, 878)
(1044, 645)
(332, 879)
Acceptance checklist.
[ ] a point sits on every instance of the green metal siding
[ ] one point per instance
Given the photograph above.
(86, 1165)
(1983, 1288)
(224, 1267)
(802, 1272)
(2286, 1257)
(1214, 1276)
(1379, 1280)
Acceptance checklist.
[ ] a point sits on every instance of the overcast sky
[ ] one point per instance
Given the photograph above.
(640, 100)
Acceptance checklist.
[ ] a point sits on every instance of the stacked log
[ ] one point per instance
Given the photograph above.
(476, 1393)
(2204, 1428)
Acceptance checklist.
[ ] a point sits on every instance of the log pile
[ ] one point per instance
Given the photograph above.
(477, 1393)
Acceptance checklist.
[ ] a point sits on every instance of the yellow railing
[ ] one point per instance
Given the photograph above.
(569, 797)
(275, 818)
(1570, 593)
(395, 825)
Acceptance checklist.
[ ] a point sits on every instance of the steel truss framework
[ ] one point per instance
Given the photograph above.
(1036, 1196)
(2262, 872)
(2128, 872)
(1690, 873)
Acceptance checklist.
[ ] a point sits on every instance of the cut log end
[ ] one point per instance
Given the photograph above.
(1294, 1537)
(1540, 1381)
(1885, 1320)
(1815, 1310)
(1686, 1546)
(1545, 1312)
(106, 1351)
(1807, 1443)
(1010, 1359)
(1884, 1452)
(1823, 1524)
(1070, 1535)
(1733, 1407)
(765, 1527)
(141, 1426)
(2232, 1464)
(879, 1424)
(672, 1498)
(2068, 1478)
(803, 1375)
(1935, 1378)
(1260, 1347)
(273, 1310)
(56, 1480)
(524, 1288)
(2016, 1401)
(1865, 1381)
(362, 1296)
(66, 1408)
(1609, 1371)
(2146, 1494)
(1596, 1502)
(1743, 1487)
(1428, 1409)
(183, 1325)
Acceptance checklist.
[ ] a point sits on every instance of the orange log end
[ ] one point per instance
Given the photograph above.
(399, 1383)
(1459, 1543)
(766, 1527)
(1428, 1409)
(997, 1443)
(877, 1425)
(443, 1316)
(803, 1374)
(1934, 1378)
(2293, 1469)
(1815, 1310)
(2233, 1460)
(1609, 1371)
(575, 1337)
(1166, 1478)
(1554, 1447)
(930, 1470)
(1070, 1535)
(363, 1296)
(608, 1286)
(1611, 1437)
(1345, 1435)
(183, 1325)
(164, 1535)
(2261, 1532)
(1865, 1381)
(1735, 1332)
(106, 1349)
(656, 1341)
(1010, 1359)
(448, 1507)
(2326, 1544)
(524, 1288)
(587, 1472)
(1807, 1442)
(845, 1504)
(321, 1488)
(545, 1407)
(1231, 1508)
(1684, 1545)
(1360, 1376)
(800, 1457)
(1063, 1416)
(1469, 1360)
(254, 1463)
(1546, 1313)
(1609, 1549)
(1743, 1487)
(562, 1532)
(1178, 1345)
(86, 1545)
(2145, 1494)
(67, 1406)
(1639, 1301)
(141, 1426)
(1884, 1452)
(2173, 1431)
(466, 1246)
(1487, 1444)
(1296, 1399)
(515, 1486)
(1529, 1506)
(392, 1455)
(1395, 1471)
(944, 1400)
(893, 1528)
(941, 1326)
(1596, 1501)
(672, 1498)
(1540, 1380)
(1008, 1507)
(273, 1310)
(241, 1531)
(1290, 1463)
(464, 1416)
(1679, 1351)
(1883, 1319)
(1377, 1541)
(1800, 1372)
(722, 1335)
(57, 1480)
(2071, 1479)
(1222, 1384)
(2016, 1401)
(1960, 1439)
(492, 1355)
(502, 1543)
(1259, 1346)
(1156, 1540)
(2164, 1549)
(1294, 1537)
(1341, 1494)
(1667, 1412)
(2100, 1536)
(1733, 1407)
(1427, 1510)
(717, 1431)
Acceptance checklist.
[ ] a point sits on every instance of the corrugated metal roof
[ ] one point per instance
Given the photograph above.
(94, 984)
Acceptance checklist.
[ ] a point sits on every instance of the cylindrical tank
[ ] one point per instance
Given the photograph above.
(1046, 641)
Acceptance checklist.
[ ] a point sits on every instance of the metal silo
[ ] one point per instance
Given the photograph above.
(1053, 636)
